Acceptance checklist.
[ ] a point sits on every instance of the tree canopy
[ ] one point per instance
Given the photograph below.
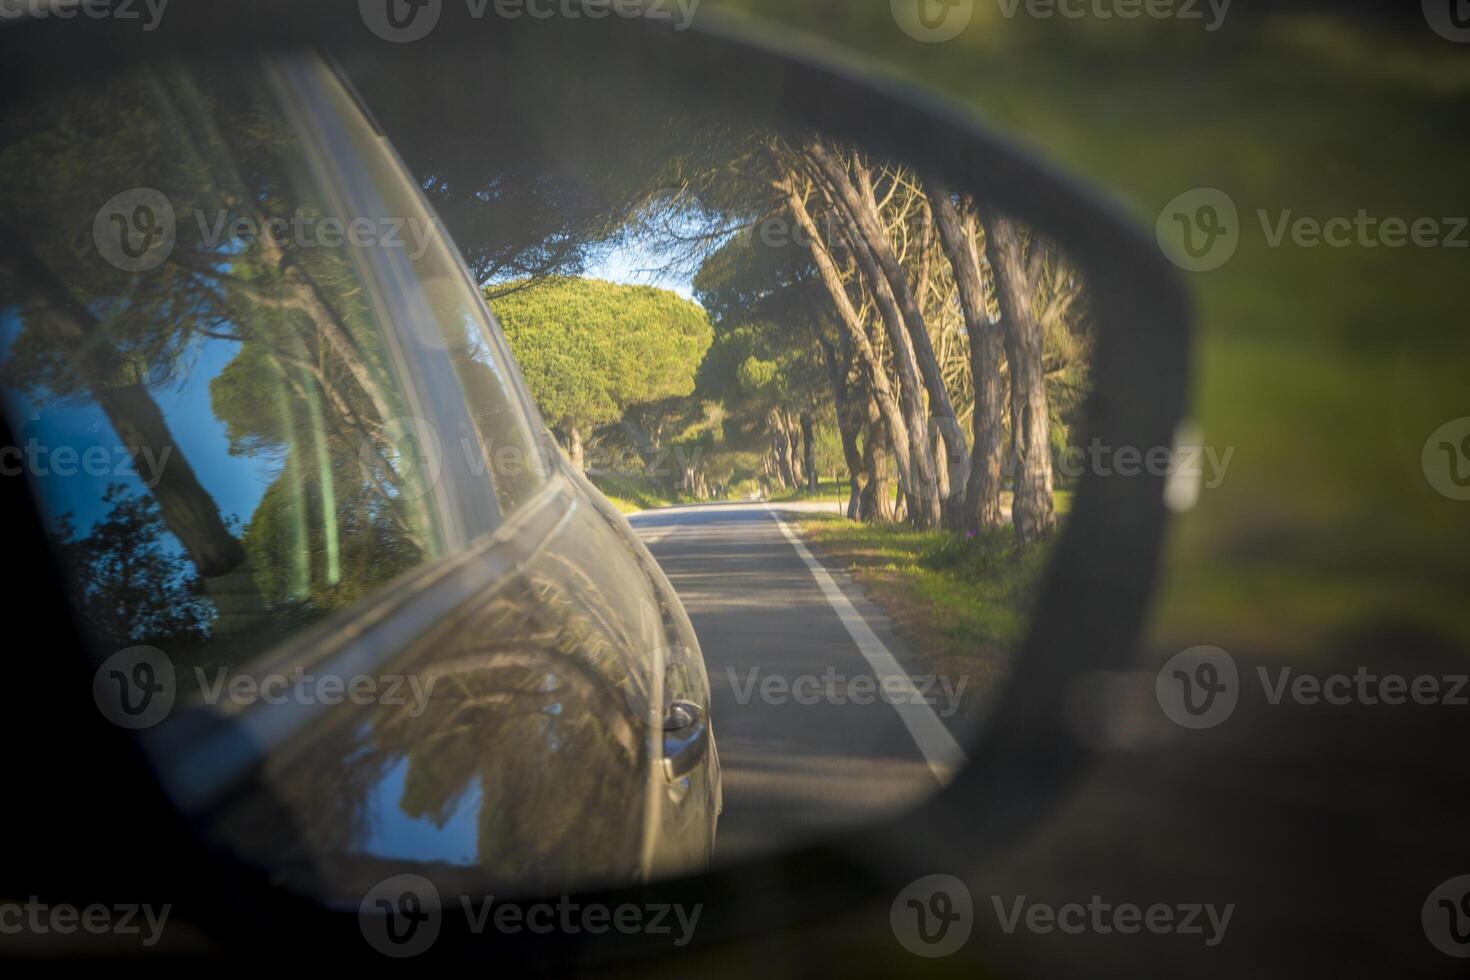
(590, 350)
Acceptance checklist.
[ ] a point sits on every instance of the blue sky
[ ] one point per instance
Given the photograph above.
(235, 482)
(640, 266)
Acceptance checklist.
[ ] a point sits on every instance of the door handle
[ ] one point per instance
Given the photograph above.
(686, 739)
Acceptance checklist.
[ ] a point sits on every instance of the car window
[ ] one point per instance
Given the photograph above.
(427, 286)
(243, 370)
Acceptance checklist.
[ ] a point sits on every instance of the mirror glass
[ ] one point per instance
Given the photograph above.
(330, 528)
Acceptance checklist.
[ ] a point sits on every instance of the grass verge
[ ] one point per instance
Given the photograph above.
(828, 491)
(961, 602)
(630, 494)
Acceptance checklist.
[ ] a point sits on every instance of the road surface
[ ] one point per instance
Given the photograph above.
(796, 658)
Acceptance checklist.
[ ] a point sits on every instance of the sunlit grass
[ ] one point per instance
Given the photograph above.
(962, 602)
(828, 491)
(630, 494)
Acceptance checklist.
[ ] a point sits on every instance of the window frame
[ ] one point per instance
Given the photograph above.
(518, 394)
(204, 754)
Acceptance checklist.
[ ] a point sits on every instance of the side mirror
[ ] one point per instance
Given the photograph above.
(938, 265)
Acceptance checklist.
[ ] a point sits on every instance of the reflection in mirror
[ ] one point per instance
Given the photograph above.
(894, 373)
(278, 442)
(209, 498)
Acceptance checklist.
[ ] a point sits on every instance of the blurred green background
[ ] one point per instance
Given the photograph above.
(1326, 369)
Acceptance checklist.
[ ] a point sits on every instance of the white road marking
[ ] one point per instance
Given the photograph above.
(940, 750)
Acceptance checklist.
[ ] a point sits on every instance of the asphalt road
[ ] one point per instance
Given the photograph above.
(798, 662)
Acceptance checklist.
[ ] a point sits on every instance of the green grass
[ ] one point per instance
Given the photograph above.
(630, 494)
(835, 492)
(961, 602)
(828, 491)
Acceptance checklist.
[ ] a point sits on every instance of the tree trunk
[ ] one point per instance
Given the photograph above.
(920, 481)
(809, 452)
(838, 365)
(904, 316)
(781, 449)
(788, 449)
(926, 260)
(874, 373)
(575, 450)
(1016, 277)
(793, 448)
(186, 507)
(640, 438)
(877, 502)
(951, 453)
(987, 460)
